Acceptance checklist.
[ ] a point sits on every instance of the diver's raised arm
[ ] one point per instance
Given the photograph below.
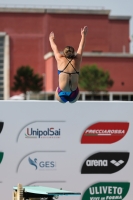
(84, 32)
(54, 46)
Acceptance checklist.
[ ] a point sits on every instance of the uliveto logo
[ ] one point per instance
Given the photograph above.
(42, 165)
(104, 132)
(39, 133)
(105, 163)
(1, 156)
(107, 191)
(1, 126)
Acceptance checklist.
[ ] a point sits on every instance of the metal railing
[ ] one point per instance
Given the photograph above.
(85, 96)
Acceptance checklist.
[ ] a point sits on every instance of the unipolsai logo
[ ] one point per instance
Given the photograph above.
(1, 126)
(39, 133)
(107, 191)
(1, 156)
(105, 163)
(42, 133)
(41, 130)
(42, 164)
(104, 132)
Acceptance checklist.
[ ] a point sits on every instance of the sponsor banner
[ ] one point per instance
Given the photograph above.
(104, 132)
(107, 191)
(42, 146)
(1, 156)
(1, 126)
(41, 161)
(105, 163)
(41, 130)
(42, 164)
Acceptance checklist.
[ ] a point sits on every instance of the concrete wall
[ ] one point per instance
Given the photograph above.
(105, 35)
(118, 35)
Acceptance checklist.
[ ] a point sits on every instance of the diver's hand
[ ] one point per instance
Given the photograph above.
(51, 36)
(84, 30)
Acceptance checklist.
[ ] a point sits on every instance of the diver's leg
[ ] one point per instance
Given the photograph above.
(57, 96)
(77, 97)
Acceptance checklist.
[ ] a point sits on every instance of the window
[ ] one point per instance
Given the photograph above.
(80, 97)
(116, 97)
(124, 98)
(131, 98)
(50, 97)
(88, 97)
(105, 98)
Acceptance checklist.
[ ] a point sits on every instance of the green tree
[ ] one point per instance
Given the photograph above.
(94, 79)
(26, 80)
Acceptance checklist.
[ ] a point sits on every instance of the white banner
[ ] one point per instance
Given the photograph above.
(82, 147)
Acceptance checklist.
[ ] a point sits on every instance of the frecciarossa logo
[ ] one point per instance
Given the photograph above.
(104, 132)
(105, 162)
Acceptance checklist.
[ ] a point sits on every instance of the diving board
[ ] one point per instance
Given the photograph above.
(36, 192)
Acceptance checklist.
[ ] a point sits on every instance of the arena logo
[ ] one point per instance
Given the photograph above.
(1, 126)
(105, 163)
(42, 165)
(107, 191)
(104, 132)
(37, 133)
(1, 156)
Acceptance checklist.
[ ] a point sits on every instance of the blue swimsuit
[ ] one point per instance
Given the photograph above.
(68, 96)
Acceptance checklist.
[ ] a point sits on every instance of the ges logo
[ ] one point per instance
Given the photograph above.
(42, 165)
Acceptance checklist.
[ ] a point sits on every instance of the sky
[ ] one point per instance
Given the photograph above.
(117, 7)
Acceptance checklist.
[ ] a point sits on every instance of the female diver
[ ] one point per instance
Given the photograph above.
(68, 65)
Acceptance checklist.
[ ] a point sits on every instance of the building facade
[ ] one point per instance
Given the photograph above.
(24, 40)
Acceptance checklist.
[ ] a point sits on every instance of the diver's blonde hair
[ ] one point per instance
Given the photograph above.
(69, 52)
